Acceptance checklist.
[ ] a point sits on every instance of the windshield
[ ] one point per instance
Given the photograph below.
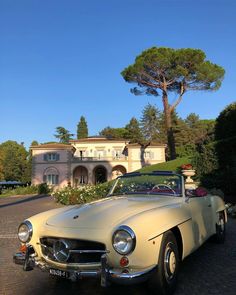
(148, 184)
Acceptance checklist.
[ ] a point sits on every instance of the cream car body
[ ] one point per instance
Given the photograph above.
(191, 219)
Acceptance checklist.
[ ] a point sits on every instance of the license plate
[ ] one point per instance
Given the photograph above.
(59, 273)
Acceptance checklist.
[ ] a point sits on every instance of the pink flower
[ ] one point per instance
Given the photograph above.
(187, 167)
(201, 192)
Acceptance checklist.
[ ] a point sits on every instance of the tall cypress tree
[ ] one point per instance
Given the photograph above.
(150, 122)
(82, 128)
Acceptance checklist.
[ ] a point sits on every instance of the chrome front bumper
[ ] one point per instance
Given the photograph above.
(105, 273)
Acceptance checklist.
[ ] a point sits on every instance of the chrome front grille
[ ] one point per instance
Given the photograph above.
(72, 250)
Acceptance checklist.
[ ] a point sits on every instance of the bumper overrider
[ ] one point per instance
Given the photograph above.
(105, 273)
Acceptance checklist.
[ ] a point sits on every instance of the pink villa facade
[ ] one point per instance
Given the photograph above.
(90, 161)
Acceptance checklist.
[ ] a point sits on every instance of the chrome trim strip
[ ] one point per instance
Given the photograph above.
(105, 273)
(42, 245)
(89, 251)
(73, 251)
(130, 276)
(170, 228)
(46, 247)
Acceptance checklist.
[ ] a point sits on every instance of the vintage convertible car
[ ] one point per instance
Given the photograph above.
(141, 232)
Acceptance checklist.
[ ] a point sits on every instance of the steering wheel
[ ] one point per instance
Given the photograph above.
(159, 186)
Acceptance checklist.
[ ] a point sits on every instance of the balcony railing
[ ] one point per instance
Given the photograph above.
(95, 159)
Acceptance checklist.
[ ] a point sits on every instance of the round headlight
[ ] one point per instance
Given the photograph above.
(124, 240)
(25, 231)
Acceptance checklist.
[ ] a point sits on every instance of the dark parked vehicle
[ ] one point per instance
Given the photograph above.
(10, 184)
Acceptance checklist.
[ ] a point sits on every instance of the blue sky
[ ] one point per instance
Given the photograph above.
(60, 59)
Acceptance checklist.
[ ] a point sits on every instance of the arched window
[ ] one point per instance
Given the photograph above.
(51, 176)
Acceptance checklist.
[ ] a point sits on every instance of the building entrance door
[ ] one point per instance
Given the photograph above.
(100, 175)
(80, 176)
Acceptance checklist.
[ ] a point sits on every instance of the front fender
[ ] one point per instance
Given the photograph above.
(155, 222)
(149, 227)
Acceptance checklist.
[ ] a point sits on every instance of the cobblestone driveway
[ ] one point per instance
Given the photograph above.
(210, 270)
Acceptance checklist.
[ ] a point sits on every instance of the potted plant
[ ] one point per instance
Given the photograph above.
(188, 171)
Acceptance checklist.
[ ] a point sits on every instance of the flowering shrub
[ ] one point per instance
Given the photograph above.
(187, 167)
(82, 194)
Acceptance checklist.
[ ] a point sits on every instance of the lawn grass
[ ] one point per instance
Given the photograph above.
(173, 165)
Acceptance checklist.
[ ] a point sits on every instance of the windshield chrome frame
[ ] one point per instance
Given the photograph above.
(154, 173)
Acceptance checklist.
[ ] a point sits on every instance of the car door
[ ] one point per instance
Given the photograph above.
(199, 213)
(209, 215)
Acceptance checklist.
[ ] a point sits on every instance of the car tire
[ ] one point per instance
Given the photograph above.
(164, 280)
(219, 237)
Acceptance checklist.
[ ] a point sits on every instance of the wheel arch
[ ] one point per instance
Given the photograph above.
(225, 215)
(175, 230)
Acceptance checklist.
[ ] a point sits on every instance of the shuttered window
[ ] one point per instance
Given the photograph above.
(51, 157)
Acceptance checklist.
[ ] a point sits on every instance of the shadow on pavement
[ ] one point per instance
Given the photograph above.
(33, 198)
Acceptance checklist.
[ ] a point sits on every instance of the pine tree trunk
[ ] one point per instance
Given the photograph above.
(169, 129)
(143, 146)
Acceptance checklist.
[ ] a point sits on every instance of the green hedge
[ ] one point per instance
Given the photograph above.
(226, 152)
(225, 135)
(215, 164)
(40, 189)
(205, 162)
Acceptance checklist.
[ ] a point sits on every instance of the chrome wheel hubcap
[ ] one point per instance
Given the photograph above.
(169, 262)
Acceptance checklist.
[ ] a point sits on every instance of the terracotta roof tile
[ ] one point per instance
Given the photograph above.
(52, 146)
(98, 139)
(152, 144)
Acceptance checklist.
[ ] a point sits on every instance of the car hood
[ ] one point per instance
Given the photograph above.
(108, 212)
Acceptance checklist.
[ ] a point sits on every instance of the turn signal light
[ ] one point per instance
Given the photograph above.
(23, 248)
(124, 261)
